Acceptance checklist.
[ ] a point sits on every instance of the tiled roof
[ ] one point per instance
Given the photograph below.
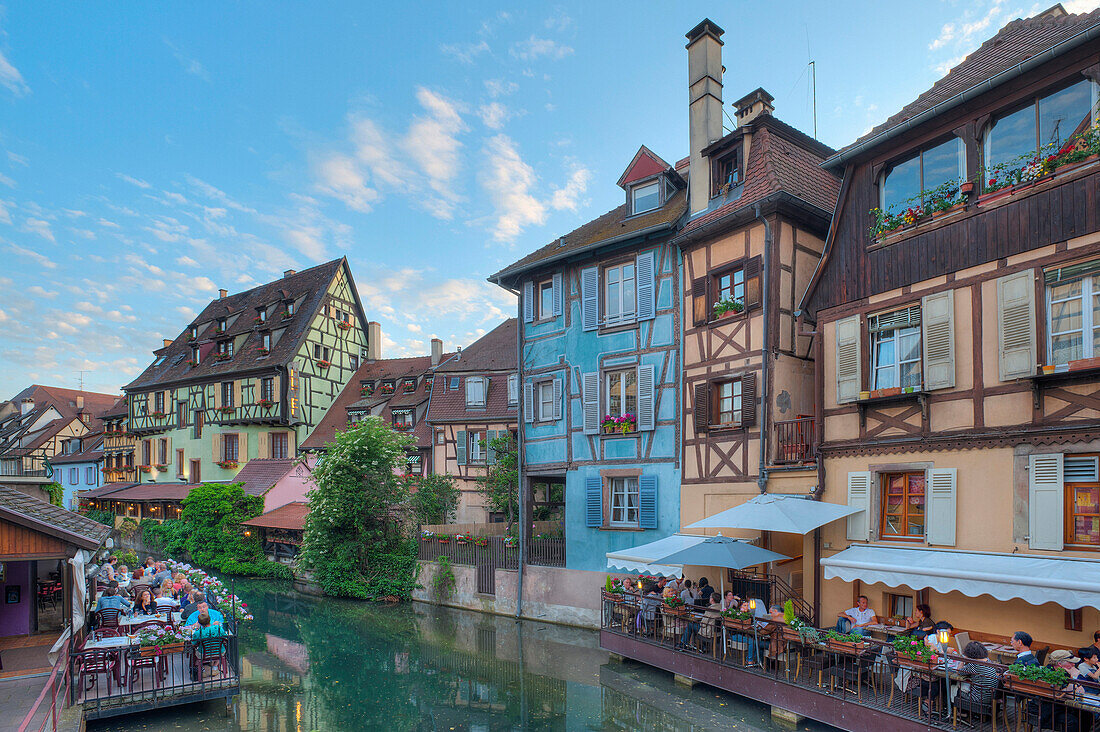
(104, 490)
(47, 518)
(121, 408)
(1015, 43)
(64, 401)
(154, 492)
(307, 288)
(781, 159)
(494, 351)
(260, 474)
(612, 225)
(288, 516)
(85, 456)
(492, 355)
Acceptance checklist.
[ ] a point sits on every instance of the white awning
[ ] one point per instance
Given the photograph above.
(1070, 583)
(777, 512)
(639, 559)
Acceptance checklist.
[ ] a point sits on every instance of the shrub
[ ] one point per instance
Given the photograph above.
(104, 517)
(443, 584)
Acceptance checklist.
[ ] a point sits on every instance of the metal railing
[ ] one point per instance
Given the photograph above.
(55, 689)
(541, 552)
(34, 465)
(812, 674)
(769, 588)
(546, 552)
(794, 441)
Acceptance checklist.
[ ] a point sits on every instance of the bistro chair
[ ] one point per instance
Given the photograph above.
(94, 664)
(707, 631)
(210, 652)
(136, 663)
(108, 618)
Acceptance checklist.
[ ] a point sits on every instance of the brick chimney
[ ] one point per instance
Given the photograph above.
(437, 351)
(222, 294)
(289, 272)
(167, 342)
(704, 49)
(79, 402)
(26, 406)
(752, 105)
(374, 341)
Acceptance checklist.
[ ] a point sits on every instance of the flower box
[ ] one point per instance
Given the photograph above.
(343, 326)
(156, 415)
(147, 651)
(286, 314)
(737, 623)
(266, 403)
(850, 648)
(227, 464)
(145, 468)
(192, 363)
(1033, 688)
(1084, 363)
(226, 409)
(612, 596)
(322, 364)
(997, 195)
(263, 351)
(444, 541)
(161, 468)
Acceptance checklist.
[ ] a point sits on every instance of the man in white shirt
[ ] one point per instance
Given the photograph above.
(165, 602)
(855, 620)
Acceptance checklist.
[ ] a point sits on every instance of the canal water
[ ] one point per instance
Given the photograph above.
(318, 664)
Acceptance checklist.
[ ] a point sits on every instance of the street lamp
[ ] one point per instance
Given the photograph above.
(943, 635)
(753, 604)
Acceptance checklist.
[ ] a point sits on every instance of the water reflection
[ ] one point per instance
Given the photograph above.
(311, 664)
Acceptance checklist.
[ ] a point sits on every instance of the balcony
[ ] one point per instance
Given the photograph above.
(794, 441)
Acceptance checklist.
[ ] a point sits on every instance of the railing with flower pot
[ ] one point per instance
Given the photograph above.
(623, 424)
(728, 307)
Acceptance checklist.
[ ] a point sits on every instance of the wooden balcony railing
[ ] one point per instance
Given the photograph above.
(794, 441)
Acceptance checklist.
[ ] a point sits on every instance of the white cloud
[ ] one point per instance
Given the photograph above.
(84, 233)
(499, 87)
(566, 198)
(40, 227)
(108, 224)
(186, 312)
(3, 316)
(134, 181)
(40, 258)
(465, 52)
(413, 327)
(534, 48)
(190, 65)
(375, 150)
(494, 115)
(5, 180)
(339, 176)
(5, 217)
(509, 180)
(186, 262)
(432, 143)
(40, 291)
(11, 79)
(943, 67)
(307, 241)
(947, 34)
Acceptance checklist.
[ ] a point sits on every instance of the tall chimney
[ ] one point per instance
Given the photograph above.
(437, 351)
(79, 401)
(222, 294)
(26, 406)
(374, 341)
(704, 106)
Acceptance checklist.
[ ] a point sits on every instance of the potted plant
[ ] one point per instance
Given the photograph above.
(444, 538)
(480, 540)
(161, 468)
(427, 535)
(612, 590)
(626, 423)
(884, 223)
(852, 644)
(727, 307)
(966, 187)
(736, 619)
(460, 539)
(145, 468)
(913, 652)
(267, 403)
(1045, 681)
(157, 639)
(263, 351)
(226, 408)
(673, 604)
(156, 415)
(227, 464)
(192, 363)
(892, 391)
(511, 542)
(343, 325)
(608, 424)
(286, 314)
(1084, 363)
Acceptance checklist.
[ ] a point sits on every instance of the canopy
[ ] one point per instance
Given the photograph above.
(1070, 583)
(777, 512)
(722, 551)
(641, 558)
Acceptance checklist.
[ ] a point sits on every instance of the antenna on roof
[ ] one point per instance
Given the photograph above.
(80, 379)
(813, 85)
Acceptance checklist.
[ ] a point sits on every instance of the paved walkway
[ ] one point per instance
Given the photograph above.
(16, 698)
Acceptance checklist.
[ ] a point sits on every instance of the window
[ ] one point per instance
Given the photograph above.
(408, 386)
(440, 437)
(1082, 480)
(453, 384)
(353, 362)
(265, 341)
(162, 452)
(196, 355)
(727, 402)
(267, 389)
(513, 388)
(1041, 127)
(546, 401)
(906, 181)
(546, 300)
(341, 315)
(290, 307)
(730, 286)
(622, 393)
(619, 293)
(146, 453)
(412, 464)
(1073, 313)
(899, 606)
(279, 445)
(222, 323)
(158, 402)
(261, 315)
(230, 446)
(89, 476)
(194, 333)
(181, 463)
(624, 502)
(895, 349)
(902, 506)
(225, 348)
(227, 394)
(321, 353)
(726, 173)
(477, 447)
(196, 471)
(196, 430)
(74, 474)
(181, 414)
(645, 197)
(402, 419)
(475, 391)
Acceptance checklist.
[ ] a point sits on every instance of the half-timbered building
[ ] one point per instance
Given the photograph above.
(474, 399)
(119, 445)
(78, 467)
(759, 206)
(250, 377)
(956, 321)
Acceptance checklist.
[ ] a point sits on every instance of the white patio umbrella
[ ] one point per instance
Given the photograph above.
(722, 551)
(777, 512)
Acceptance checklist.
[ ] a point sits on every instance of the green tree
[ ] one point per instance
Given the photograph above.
(500, 484)
(433, 499)
(213, 513)
(353, 543)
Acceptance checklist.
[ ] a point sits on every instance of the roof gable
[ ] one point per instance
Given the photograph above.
(644, 164)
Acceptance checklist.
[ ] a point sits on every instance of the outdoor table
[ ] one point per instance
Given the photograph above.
(131, 620)
(887, 630)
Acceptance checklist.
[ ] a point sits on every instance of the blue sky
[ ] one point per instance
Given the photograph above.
(151, 153)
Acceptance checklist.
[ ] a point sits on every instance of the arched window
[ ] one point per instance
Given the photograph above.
(912, 181)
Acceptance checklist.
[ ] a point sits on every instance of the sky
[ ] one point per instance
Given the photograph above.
(152, 153)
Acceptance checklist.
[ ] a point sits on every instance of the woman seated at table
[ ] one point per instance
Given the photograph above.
(145, 604)
(123, 574)
(731, 601)
(982, 676)
(921, 624)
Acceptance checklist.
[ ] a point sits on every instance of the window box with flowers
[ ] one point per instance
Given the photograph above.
(226, 409)
(323, 364)
(1022, 172)
(461, 539)
(219, 357)
(623, 424)
(263, 351)
(444, 538)
(479, 540)
(161, 468)
(227, 464)
(156, 415)
(387, 389)
(427, 535)
(728, 307)
(145, 468)
(366, 391)
(257, 320)
(286, 314)
(219, 331)
(266, 403)
(343, 325)
(192, 363)
(927, 205)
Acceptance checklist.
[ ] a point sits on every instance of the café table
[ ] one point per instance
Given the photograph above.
(129, 621)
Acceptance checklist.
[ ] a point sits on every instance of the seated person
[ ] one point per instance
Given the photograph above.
(144, 604)
(123, 574)
(1088, 670)
(921, 623)
(855, 620)
(192, 606)
(705, 591)
(165, 602)
(689, 594)
(214, 615)
(1021, 643)
(111, 599)
(730, 601)
(206, 627)
(984, 678)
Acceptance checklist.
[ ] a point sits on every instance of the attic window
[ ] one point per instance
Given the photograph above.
(261, 315)
(387, 387)
(289, 308)
(408, 385)
(194, 332)
(725, 172)
(454, 383)
(645, 197)
(222, 322)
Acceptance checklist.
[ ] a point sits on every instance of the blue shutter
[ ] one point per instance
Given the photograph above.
(490, 453)
(559, 294)
(460, 446)
(593, 493)
(647, 501)
(590, 298)
(647, 396)
(646, 284)
(557, 399)
(528, 301)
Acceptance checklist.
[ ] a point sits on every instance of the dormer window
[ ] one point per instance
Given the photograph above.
(265, 341)
(261, 315)
(289, 308)
(475, 391)
(195, 357)
(194, 332)
(645, 197)
(409, 385)
(222, 323)
(225, 348)
(725, 172)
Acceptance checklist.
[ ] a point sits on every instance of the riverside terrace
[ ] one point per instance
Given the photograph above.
(854, 686)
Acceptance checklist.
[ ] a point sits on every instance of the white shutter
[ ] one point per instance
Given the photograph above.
(1016, 325)
(859, 496)
(647, 375)
(590, 298)
(942, 503)
(528, 402)
(528, 301)
(591, 400)
(938, 334)
(847, 359)
(557, 399)
(645, 284)
(559, 295)
(1046, 501)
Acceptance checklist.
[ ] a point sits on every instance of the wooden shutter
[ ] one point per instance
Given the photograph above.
(292, 444)
(216, 446)
(1046, 501)
(460, 446)
(700, 303)
(528, 301)
(167, 450)
(528, 402)
(748, 399)
(263, 441)
(276, 394)
(557, 399)
(938, 333)
(647, 501)
(645, 281)
(942, 502)
(590, 398)
(590, 298)
(647, 397)
(701, 407)
(490, 453)
(859, 496)
(752, 283)
(593, 501)
(848, 363)
(559, 295)
(1016, 325)
(217, 400)
(242, 447)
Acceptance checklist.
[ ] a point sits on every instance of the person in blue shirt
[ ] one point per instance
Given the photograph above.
(195, 617)
(111, 599)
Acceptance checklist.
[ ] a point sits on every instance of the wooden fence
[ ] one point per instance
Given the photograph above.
(494, 529)
(541, 552)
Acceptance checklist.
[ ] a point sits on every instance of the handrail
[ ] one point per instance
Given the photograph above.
(51, 684)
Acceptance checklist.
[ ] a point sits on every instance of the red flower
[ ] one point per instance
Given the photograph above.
(992, 181)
